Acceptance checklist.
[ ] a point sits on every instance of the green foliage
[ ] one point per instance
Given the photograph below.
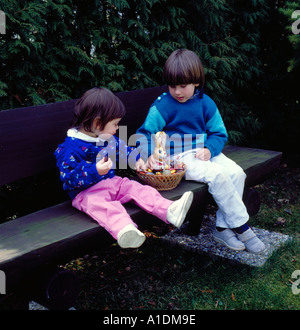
(274, 95)
(55, 50)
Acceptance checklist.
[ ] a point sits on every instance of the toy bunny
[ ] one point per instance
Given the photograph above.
(160, 153)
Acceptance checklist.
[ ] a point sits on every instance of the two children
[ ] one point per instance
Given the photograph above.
(93, 185)
(185, 111)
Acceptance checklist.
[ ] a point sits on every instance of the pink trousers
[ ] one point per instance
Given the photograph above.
(103, 202)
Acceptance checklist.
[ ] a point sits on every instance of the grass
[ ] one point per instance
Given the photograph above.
(159, 277)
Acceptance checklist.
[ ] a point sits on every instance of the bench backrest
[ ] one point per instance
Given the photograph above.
(29, 136)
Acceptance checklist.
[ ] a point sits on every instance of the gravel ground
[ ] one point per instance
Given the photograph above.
(204, 243)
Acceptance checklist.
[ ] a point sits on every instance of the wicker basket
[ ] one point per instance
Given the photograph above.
(162, 182)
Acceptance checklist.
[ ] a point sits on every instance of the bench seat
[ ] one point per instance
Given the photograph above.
(54, 234)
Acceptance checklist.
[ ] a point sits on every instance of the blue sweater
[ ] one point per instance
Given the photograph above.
(193, 124)
(76, 160)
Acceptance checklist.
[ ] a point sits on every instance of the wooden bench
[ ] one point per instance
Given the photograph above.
(31, 245)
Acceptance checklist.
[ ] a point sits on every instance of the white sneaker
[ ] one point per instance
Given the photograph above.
(177, 211)
(228, 238)
(252, 243)
(130, 237)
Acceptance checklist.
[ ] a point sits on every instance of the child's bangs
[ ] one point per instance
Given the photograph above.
(177, 75)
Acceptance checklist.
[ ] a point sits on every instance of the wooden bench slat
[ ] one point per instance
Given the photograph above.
(29, 149)
(43, 228)
(56, 224)
(258, 164)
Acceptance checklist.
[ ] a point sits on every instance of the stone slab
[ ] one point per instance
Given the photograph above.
(205, 244)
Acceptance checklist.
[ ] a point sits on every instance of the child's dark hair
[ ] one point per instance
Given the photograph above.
(97, 103)
(183, 67)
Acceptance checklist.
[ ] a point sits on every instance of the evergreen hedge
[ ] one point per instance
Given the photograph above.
(54, 50)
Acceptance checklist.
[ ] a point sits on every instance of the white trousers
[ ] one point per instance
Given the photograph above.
(225, 180)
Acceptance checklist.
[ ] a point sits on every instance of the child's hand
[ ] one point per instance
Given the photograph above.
(203, 154)
(140, 165)
(152, 163)
(104, 166)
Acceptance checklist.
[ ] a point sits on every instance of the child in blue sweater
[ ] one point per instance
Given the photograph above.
(86, 162)
(196, 136)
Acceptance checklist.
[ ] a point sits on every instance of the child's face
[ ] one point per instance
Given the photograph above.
(109, 129)
(182, 93)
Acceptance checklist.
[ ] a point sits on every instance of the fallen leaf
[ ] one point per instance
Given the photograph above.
(280, 222)
(283, 200)
(289, 211)
(233, 297)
